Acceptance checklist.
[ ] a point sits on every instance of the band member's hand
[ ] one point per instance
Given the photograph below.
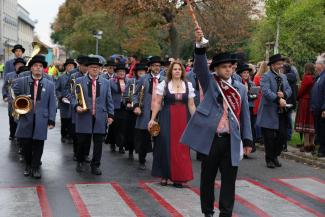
(137, 111)
(198, 34)
(151, 123)
(5, 99)
(50, 127)
(282, 103)
(247, 150)
(79, 109)
(129, 105)
(323, 114)
(110, 121)
(280, 94)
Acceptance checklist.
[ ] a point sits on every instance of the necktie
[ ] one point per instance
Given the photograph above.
(122, 85)
(223, 126)
(35, 93)
(93, 91)
(154, 90)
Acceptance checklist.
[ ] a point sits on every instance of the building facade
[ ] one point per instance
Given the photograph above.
(15, 27)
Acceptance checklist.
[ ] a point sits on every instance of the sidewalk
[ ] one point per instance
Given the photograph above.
(294, 154)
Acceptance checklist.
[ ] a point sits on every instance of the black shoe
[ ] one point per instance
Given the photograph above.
(121, 151)
(113, 148)
(277, 163)
(142, 167)
(321, 155)
(178, 185)
(270, 164)
(70, 141)
(131, 157)
(74, 158)
(21, 158)
(11, 138)
(63, 140)
(96, 171)
(36, 173)
(164, 182)
(208, 215)
(27, 171)
(87, 159)
(20, 150)
(80, 167)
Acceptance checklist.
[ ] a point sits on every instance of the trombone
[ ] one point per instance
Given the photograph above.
(80, 97)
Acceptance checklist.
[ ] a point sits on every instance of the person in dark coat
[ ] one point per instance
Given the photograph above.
(62, 92)
(92, 122)
(252, 92)
(32, 127)
(292, 100)
(143, 102)
(18, 51)
(318, 104)
(272, 115)
(7, 96)
(218, 129)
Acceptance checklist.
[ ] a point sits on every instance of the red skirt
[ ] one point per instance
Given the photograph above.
(304, 117)
(180, 159)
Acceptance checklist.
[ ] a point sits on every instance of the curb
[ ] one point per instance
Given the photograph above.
(312, 161)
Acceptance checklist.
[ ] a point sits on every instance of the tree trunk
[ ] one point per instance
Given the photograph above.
(172, 32)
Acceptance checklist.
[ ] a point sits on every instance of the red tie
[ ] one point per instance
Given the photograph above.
(94, 96)
(35, 93)
(154, 90)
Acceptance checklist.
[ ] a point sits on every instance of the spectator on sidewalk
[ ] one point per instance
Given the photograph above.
(1, 69)
(318, 104)
(304, 117)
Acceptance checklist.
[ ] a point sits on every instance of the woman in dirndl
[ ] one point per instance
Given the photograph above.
(175, 103)
(304, 117)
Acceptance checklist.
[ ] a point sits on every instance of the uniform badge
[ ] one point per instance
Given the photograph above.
(43, 89)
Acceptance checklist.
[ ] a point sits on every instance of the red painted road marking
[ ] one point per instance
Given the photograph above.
(296, 185)
(256, 194)
(39, 190)
(81, 206)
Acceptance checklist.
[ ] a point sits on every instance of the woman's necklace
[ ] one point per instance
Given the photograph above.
(177, 85)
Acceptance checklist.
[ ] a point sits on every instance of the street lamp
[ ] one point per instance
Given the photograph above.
(98, 35)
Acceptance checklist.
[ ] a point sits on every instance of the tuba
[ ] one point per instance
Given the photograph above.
(23, 104)
(80, 97)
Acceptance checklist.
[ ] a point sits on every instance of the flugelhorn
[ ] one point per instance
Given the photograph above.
(204, 42)
(21, 105)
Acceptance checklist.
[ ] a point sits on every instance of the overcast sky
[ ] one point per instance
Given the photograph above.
(44, 11)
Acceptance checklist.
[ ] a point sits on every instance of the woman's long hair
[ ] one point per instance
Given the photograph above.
(169, 74)
(263, 68)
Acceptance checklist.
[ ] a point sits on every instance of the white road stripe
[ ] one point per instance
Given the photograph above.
(103, 200)
(308, 185)
(18, 202)
(184, 200)
(269, 202)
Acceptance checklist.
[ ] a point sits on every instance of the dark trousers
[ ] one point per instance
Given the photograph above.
(253, 120)
(74, 138)
(33, 151)
(66, 127)
(12, 125)
(84, 141)
(142, 142)
(275, 140)
(320, 131)
(219, 158)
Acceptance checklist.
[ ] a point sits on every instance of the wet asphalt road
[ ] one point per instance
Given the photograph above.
(58, 170)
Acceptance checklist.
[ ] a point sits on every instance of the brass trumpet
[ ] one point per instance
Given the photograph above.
(141, 97)
(80, 97)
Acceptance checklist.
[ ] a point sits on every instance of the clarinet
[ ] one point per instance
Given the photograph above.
(279, 89)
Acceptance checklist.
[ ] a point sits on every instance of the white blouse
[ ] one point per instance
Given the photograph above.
(161, 88)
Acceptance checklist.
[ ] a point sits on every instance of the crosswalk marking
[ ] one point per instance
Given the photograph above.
(177, 201)
(24, 201)
(308, 186)
(102, 199)
(268, 202)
